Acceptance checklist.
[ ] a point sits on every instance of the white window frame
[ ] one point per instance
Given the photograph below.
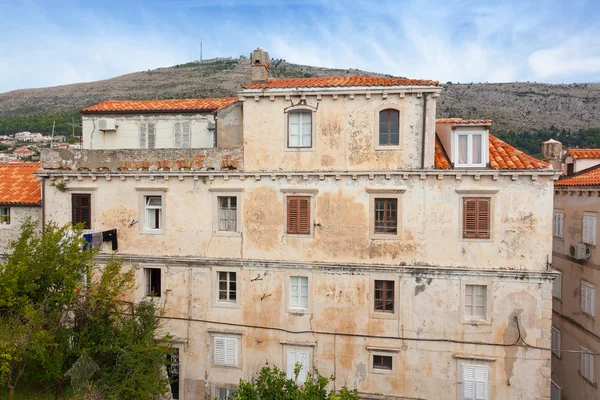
(144, 136)
(302, 113)
(558, 224)
(216, 302)
(303, 351)
(555, 342)
(287, 288)
(228, 280)
(557, 286)
(230, 345)
(385, 352)
(228, 389)
(150, 207)
(181, 140)
(472, 293)
(226, 192)
(555, 391)
(385, 193)
(588, 231)
(296, 293)
(469, 135)
(586, 364)
(5, 215)
(463, 383)
(588, 298)
(143, 193)
(467, 319)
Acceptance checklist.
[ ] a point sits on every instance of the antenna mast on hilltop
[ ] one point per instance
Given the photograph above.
(200, 49)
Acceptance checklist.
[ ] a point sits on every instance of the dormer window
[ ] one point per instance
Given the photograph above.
(470, 149)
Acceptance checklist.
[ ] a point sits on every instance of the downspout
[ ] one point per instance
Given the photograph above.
(43, 204)
(215, 130)
(424, 125)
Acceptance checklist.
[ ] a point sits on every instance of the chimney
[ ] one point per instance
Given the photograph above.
(552, 153)
(260, 66)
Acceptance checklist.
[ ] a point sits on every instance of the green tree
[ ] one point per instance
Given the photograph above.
(272, 384)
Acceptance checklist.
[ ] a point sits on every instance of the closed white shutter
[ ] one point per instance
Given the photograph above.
(231, 351)
(291, 363)
(589, 229)
(300, 356)
(219, 355)
(186, 135)
(143, 134)
(294, 129)
(557, 287)
(587, 364)
(474, 382)
(556, 342)
(557, 229)
(177, 135)
(554, 391)
(561, 220)
(151, 136)
(588, 298)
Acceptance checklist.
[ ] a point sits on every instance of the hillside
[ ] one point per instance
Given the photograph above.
(513, 106)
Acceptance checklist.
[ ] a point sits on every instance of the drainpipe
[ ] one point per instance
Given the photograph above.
(43, 204)
(424, 124)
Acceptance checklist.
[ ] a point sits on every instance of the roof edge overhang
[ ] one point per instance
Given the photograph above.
(162, 111)
(340, 90)
(4, 204)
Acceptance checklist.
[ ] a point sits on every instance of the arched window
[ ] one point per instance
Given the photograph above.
(389, 128)
(300, 128)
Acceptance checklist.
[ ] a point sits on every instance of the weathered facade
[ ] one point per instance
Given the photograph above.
(342, 238)
(575, 329)
(20, 198)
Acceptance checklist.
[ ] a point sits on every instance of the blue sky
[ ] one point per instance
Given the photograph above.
(54, 42)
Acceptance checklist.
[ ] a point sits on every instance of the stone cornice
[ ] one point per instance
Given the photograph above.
(539, 276)
(336, 92)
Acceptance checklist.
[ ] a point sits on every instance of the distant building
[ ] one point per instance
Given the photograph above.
(21, 152)
(22, 135)
(20, 197)
(576, 160)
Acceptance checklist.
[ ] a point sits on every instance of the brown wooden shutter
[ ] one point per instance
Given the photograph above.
(483, 218)
(476, 218)
(298, 215)
(81, 208)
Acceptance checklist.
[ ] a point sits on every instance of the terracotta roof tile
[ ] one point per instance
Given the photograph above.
(339, 81)
(501, 156)
(441, 159)
(18, 185)
(463, 121)
(583, 153)
(588, 178)
(160, 105)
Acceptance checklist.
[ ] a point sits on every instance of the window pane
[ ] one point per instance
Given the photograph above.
(477, 148)
(462, 149)
(154, 200)
(394, 117)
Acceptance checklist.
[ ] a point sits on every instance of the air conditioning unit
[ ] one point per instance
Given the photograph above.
(107, 124)
(580, 251)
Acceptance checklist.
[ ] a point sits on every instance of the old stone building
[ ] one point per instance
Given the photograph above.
(20, 198)
(575, 332)
(330, 225)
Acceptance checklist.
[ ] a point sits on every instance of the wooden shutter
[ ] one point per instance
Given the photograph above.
(186, 136)
(81, 209)
(476, 218)
(143, 134)
(177, 134)
(298, 215)
(151, 136)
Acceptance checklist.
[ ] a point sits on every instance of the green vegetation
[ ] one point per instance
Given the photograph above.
(56, 329)
(531, 141)
(41, 123)
(272, 384)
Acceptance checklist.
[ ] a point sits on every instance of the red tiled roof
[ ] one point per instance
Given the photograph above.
(18, 185)
(588, 178)
(463, 121)
(441, 159)
(339, 81)
(501, 155)
(187, 105)
(583, 153)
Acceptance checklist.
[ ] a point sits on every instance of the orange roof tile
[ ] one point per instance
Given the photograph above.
(18, 185)
(583, 153)
(339, 81)
(441, 159)
(463, 121)
(586, 178)
(186, 105)
(501, 156)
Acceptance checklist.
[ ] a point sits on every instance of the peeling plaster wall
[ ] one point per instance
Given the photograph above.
(567, 310)
(344, 134)
(230, 128)
(18, 215)
(126, 135)
(428, 306)
(430, 220)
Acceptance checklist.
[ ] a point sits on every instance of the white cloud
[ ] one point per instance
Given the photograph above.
(580, 55)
